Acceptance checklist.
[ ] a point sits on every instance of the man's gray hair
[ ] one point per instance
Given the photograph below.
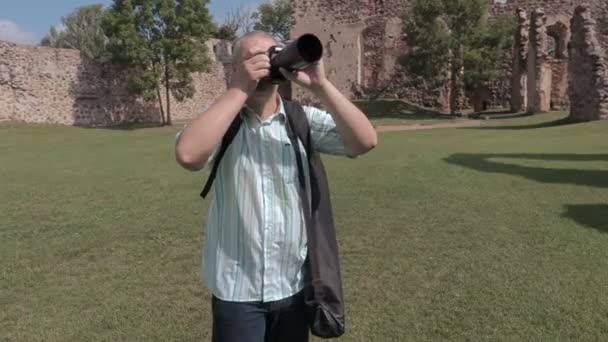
(236, 45)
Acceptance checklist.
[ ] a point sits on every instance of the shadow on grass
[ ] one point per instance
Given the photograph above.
(546, 124)
(129, 126)
(589, 215)
(499, 115)
(397, 109)
(482, 162)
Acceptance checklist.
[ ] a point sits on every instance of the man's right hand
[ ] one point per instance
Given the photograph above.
(249, 71)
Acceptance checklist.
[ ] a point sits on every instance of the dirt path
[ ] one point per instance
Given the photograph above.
(416, 127)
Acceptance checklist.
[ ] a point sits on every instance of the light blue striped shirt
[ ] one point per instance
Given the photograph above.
(255, 243)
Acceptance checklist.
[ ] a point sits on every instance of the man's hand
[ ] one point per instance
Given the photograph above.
(251, 70)
(357, 132)
(312, 78)
(202, 136)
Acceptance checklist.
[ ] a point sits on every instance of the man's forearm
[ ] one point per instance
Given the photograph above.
(205, 132)
(357, 132)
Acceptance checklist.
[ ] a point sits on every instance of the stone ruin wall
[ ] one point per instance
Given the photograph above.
(362, 41)
(59, 86)
(588, 68)
(574, 75)
(517, 71)
(364, 38)
(539, 70)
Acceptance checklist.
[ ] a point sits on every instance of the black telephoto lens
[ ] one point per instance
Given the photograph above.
(298, 55)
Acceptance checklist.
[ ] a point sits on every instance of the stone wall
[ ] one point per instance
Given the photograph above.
(519, 98)
(588, 70)
(559, 99)
(364, 38)
(538, 68)
(47, 85)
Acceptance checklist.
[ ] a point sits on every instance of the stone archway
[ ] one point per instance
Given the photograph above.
(559, 34)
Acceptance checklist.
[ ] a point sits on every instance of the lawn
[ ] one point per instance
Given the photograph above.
(398, 112)
(497, 233)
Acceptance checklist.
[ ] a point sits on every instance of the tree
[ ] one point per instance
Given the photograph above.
(274, 18)
(484, 61)
(53, 38)
(81, 30)
(161, 43)
(239, 20)
(452, 41)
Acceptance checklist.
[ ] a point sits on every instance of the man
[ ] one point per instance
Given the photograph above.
(256, 239)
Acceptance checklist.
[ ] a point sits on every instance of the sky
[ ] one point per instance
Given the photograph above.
(27, 21)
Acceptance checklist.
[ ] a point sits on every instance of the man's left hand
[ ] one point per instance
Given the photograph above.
(312, 78)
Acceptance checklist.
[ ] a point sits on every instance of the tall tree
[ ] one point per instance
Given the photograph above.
(80, 30)
(238, 20)
(453, 41)
(484, 61)
(274, 18)
(161, 43)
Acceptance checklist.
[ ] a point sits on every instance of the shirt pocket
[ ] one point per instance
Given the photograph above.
(289, 166)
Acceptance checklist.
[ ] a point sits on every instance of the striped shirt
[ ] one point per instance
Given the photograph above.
(255, 243)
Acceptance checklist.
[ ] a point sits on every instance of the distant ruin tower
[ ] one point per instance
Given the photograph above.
(539, 69)
(519, 81)
(588, 70)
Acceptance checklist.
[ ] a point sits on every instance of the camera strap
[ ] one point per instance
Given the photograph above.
(226, 141)
(323, 295)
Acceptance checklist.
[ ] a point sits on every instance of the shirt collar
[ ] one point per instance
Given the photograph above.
(280, 114)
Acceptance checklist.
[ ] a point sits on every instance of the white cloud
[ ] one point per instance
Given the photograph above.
(10, 31)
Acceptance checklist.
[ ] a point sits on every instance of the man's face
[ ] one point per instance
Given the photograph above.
(264, 43)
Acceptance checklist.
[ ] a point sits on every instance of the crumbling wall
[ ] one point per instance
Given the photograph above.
(539, 69)
(551, 7)
(519, 84)
(340, 28)
(363, 40)
(602, 22)
(47, 85)
(363, 68)
(558, 30)
(588, 69)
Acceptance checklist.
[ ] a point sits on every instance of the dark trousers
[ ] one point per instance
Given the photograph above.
(280, 321)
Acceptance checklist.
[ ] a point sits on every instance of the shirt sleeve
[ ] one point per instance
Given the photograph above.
(213, 154)
(324, 133)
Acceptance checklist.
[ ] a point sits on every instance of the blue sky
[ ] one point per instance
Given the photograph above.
(26, 21)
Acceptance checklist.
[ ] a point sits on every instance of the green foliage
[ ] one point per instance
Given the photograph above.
(81, 31)
(551, 46)
(429, 55)
(483, 61)
(239, 20)
(226, 32)
(161, 42)
(274, 18)
(447, 36)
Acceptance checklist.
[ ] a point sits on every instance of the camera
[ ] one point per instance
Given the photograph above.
(297, 55)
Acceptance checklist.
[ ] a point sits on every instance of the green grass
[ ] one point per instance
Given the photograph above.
(497, 233)
(399, 112)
